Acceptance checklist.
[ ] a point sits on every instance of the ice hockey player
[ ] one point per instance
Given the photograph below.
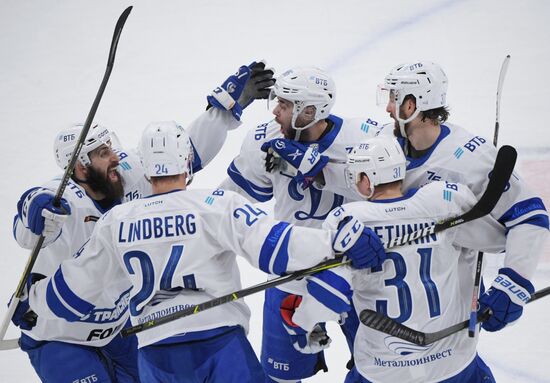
(177, 248)
(415, 97)
(420, 284)
(105, 175)
(299, 142)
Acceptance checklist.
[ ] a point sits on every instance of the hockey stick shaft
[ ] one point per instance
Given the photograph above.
(479, 261)
(388, 326)
(502, 170)
(68, 171)
(503, 70)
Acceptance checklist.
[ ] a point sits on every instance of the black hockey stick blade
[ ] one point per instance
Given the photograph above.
(68, 171)
(382, 323)
(500, 175)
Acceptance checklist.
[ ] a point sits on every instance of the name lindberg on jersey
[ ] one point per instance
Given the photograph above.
(167, 226)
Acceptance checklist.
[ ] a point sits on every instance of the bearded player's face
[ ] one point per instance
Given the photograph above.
(103, 175)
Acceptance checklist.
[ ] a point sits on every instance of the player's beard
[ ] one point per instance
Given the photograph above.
(289, 133)
(100, 183)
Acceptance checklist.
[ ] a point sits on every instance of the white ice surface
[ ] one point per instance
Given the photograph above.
(172, 53)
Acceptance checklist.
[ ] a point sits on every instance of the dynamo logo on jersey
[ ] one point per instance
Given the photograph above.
(402, 347)
(280, 144)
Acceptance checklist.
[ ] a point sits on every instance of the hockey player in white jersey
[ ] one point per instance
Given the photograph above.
(420, 285)
(104, 176)
(304, 145)
(177, 248)
(415, 97)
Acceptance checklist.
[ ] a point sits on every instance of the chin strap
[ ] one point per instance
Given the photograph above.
(299, 130)
(403, 122)
(74, 178)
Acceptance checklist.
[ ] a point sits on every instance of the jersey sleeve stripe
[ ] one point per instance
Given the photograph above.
(274, 251)
(260, 194)
(534, 219)
(58, 306)
(15, 223)
(331, 290)
(523, 212)
(197, 162)
(67, 298)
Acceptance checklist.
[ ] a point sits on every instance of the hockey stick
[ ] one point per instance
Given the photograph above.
(504, 164)
(479, 261)
(64, 181)
(388, 326)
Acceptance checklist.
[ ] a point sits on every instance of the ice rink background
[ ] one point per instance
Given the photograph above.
(172, 53)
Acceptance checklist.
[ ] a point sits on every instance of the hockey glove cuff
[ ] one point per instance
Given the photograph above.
(306, 160)
(37, 213)
(24, 317)
(239, 90)
(359, 243)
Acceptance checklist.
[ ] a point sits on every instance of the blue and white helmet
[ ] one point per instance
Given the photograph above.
(306, 86)
(381, 158)
(66, 141)
(424, 80)
(165, 150)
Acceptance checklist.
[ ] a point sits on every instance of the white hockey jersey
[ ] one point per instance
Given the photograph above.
(462, 157)
(207, 133)
(418, 285)
(248, 177)
(172, 251)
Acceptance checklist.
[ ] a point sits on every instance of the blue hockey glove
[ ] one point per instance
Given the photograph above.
(36, 211)
(305, 342)
(358, 243)
(239, 90)
(505, 298)
(24, 317)
(307, 160)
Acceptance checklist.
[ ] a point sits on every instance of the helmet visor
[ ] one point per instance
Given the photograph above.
(383, 94)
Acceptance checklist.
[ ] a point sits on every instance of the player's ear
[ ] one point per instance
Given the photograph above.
(365, 179)
(80, 170)
(410, 104)
(309, 113)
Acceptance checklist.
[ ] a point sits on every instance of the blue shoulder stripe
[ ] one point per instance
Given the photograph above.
(260, 194)
(63, 295)
(530, 211)
(274, 253)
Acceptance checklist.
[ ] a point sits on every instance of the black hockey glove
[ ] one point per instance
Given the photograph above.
(258, 85)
